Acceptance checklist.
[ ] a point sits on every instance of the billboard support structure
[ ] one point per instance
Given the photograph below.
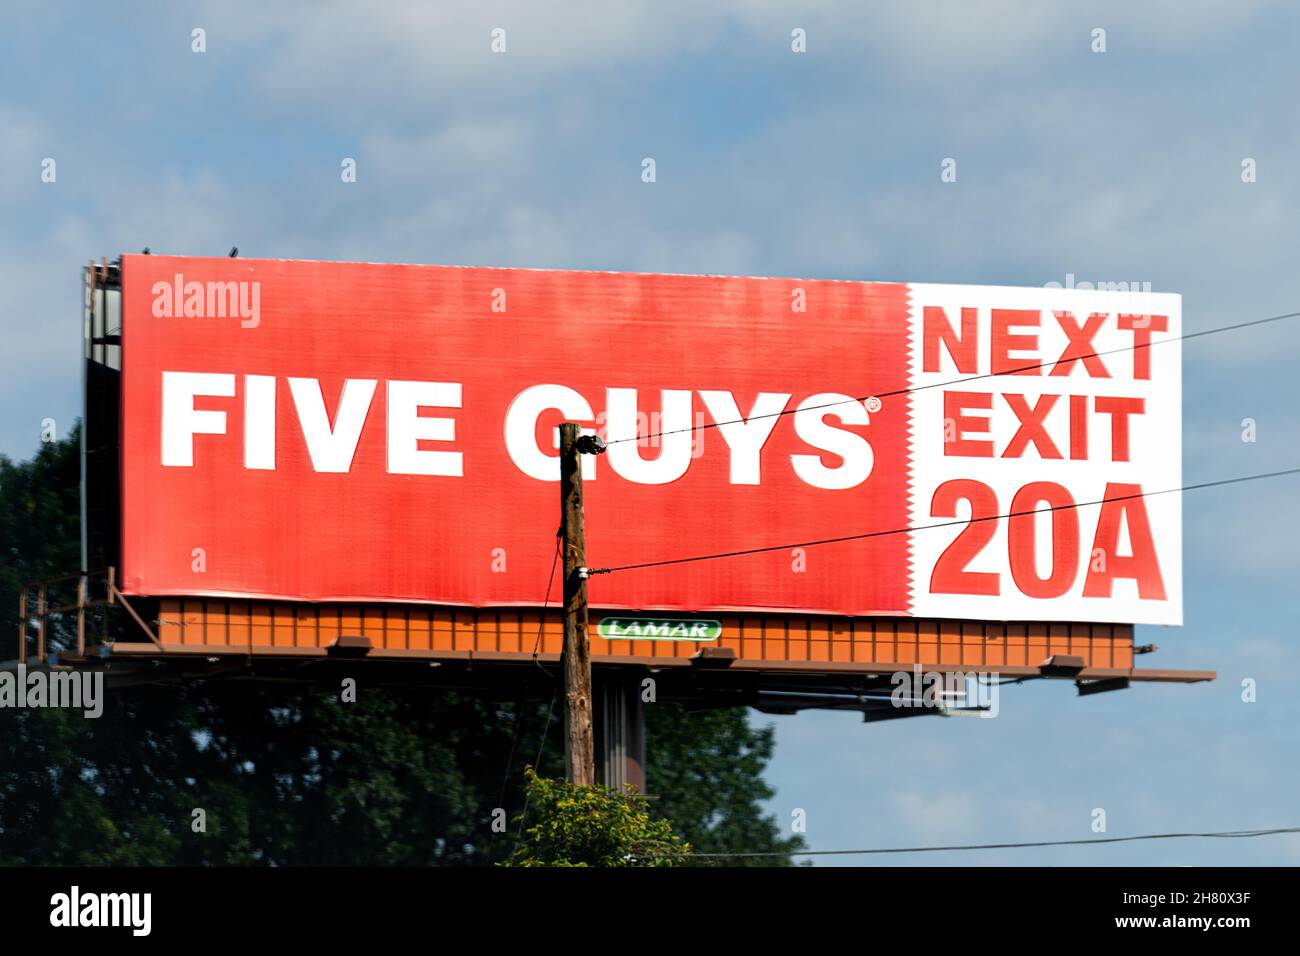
(620, 731)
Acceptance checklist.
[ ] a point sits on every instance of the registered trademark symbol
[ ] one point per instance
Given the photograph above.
(873, 404)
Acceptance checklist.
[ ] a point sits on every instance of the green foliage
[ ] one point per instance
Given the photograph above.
(289, 775)
(40, 520)
(706, 772)
(593, 826)
(286, 776)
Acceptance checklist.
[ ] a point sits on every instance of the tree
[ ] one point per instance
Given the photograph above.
(286, 774)
(705, 771)
(40, 522)
(593, 826)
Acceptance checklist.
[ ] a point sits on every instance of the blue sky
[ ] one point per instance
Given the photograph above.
(1116, 166)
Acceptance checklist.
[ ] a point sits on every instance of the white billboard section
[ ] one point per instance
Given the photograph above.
(1055, 425)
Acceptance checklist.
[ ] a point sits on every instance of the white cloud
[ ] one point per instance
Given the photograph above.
(397, 56)
(405, 57)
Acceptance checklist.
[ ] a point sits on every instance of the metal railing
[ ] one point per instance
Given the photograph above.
(52, 610)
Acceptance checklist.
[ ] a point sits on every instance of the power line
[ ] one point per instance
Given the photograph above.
(514, 741)
(1228, 834)
(555, 559)
(541, 746)
(943, 524)
(555, 689)
(961, 381)
(519, 717)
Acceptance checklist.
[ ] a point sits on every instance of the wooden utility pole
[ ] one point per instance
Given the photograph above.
(579, 738)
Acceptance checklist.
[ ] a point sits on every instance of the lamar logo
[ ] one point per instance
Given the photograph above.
(208, 300)
(658, 629)
(103, 909)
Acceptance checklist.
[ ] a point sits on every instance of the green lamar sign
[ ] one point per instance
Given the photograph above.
(659, 629)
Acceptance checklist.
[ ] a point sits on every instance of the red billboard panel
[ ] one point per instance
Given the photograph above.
(365, 432)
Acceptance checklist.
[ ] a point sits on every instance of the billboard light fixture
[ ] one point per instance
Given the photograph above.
(350, 645)
(1087, 687)
(1062, 665)
(714, 657)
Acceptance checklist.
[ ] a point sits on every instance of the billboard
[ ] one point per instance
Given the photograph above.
(321, 431)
